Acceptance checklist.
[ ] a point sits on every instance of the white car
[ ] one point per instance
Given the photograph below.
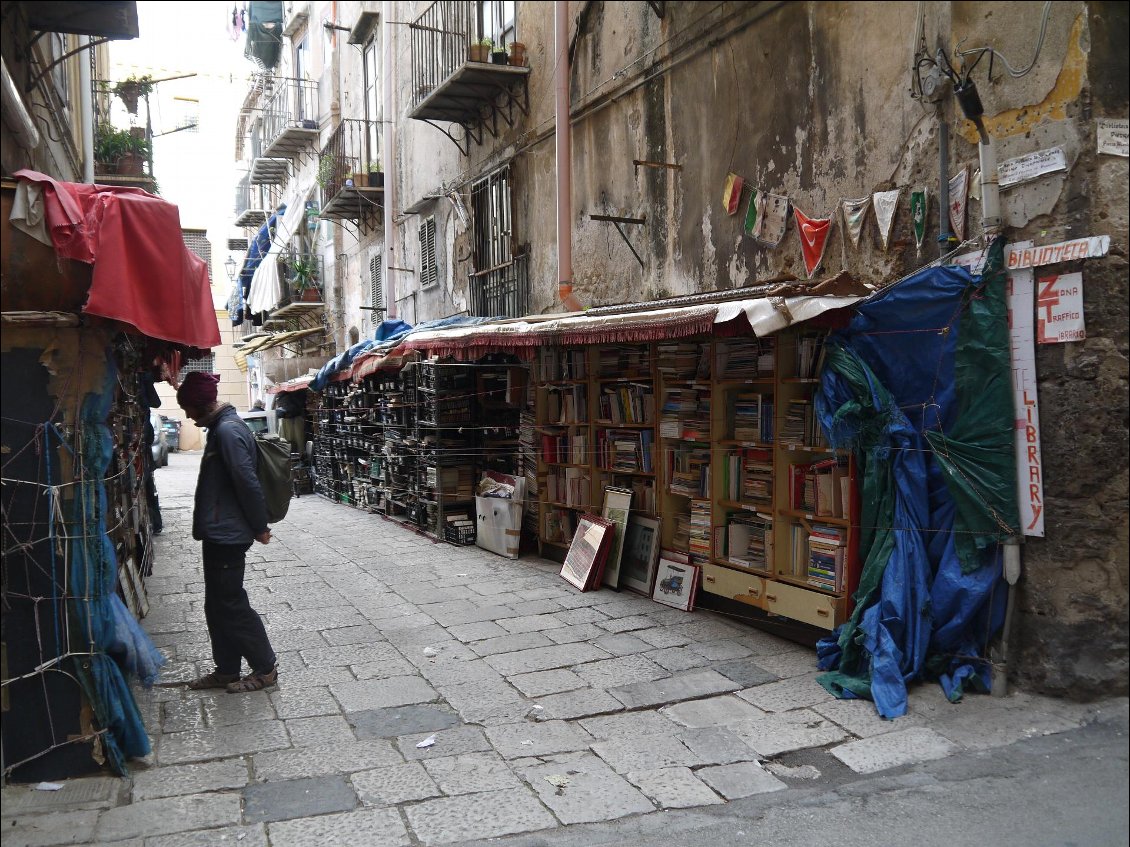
(160, 446)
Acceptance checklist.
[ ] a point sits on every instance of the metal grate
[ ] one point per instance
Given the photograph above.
(502, 291)
(205, 365)
(493, 220)
(429, 272)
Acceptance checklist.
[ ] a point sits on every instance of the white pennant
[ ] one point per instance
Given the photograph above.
(886, 204)
(855, 213)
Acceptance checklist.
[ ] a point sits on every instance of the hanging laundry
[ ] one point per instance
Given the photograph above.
(774, 219)
(918, 217)
(813, 239)
(855, 213)
(886, 204)
(959, 197)
(732, 193)
(754, 213)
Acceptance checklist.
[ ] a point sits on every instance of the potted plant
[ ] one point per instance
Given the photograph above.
(109, 145)
(518, 54)
(131, 88)
(305, 274)
(327, 170)
(498, 54)
(132, 160)
(376, 175)
(480, 50)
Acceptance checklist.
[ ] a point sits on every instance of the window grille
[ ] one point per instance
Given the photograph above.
(493, 221)
(429, 273)
(205, 365)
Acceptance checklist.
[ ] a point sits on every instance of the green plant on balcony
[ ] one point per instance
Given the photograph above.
(120, 151)
(130, 89)
(304, 277)
(480, 50)
(327, 170)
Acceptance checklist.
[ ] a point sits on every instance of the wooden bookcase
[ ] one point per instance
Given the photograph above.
(738, 475)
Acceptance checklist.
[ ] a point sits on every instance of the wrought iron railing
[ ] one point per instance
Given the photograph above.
(303, 274)
(293, 103)
(348, 152)
(441, 41)
(502, 291)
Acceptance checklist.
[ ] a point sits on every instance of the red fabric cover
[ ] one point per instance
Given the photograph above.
(144, 275)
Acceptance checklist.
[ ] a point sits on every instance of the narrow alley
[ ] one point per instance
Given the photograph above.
(430, 694)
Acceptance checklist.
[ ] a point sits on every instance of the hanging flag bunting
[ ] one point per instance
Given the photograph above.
(959, 196)
(755, 213)
(855, 213)
(886, 204)
(732, 193)
(813, 239)
(918, 216)
(774, 219)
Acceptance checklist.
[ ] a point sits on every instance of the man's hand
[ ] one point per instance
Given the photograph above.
(264, 537)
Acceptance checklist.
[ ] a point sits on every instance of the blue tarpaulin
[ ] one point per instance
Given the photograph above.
(918, 386)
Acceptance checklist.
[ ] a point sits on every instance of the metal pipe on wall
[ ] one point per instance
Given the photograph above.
(388, 154)
(86, 112)
(564, 152)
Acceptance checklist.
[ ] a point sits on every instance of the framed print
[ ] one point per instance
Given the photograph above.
(675, 584)
(617, 508)
(585, 559)
(641, 555)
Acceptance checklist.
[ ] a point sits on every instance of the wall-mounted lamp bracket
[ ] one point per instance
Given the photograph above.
(616, 220)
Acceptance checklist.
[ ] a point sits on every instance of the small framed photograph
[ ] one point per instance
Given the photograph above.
(617, 508)
(641, 555)
(675, 584)
(584, 563)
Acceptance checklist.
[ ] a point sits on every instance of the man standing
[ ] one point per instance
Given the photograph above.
(229, 514)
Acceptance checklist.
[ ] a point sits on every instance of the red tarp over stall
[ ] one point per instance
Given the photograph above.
(144, 275)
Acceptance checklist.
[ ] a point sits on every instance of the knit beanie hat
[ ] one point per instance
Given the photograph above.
(198, 389)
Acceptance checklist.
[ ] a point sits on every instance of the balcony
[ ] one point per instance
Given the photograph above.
(449, 88)
(252, 205)
(501, 292)
(123, 157)
(350, 192)
(289, 124)
(302, 276)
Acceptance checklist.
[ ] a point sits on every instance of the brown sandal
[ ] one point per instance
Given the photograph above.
(212, 680)
(254, 682)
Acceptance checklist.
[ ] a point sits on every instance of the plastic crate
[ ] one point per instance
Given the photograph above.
(462, 535)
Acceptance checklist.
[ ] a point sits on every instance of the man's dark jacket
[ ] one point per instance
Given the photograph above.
(230, 508)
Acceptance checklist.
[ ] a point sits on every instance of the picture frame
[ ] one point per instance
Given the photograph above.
(617, 508)
(641, 555)
(676, 584)
(584, 563)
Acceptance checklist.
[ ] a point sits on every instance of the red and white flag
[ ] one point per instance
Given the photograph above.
(813, 239)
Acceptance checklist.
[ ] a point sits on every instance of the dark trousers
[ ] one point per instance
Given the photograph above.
(235, 629)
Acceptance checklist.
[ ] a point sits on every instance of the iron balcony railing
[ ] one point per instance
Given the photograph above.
(348, 152)
(503, 291)
(441, 42)
(289, 104)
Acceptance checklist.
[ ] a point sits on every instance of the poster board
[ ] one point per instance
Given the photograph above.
(617, 508)
(584, 562)
(641, 555)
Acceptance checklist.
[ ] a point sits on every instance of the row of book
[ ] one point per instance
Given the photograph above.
(564, 447)
(568, 486)
(817, 555)
(698, 545)
(554, 363)
(625, 361)
(747, 476)
(625, 450)
(809, 354)
(821, 488)
(686, 414)
(746, 358)
(748, 541)
(753, 417)
(683, 360)
(688, 470)
(628, 402)
(566, 404)
(800, 426)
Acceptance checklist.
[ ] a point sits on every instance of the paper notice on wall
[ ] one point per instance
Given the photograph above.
(1030, 166)
(1059, 309)
(1029, 465)
(1113, 136)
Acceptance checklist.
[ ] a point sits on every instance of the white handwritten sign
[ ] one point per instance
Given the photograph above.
(1113, 136)
(1059, 307)
(1030, 166)
(1029, 464)
(1081, 248)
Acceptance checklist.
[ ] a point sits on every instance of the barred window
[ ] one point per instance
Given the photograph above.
(493, 224)
(206, 365)
(429, 273)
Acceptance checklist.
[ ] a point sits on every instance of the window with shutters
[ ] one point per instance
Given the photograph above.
(376, 286)
(429, 273)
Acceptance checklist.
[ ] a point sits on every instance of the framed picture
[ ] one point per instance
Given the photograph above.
(675, 584)
(641, 555)
(585, 560)
(617, 508)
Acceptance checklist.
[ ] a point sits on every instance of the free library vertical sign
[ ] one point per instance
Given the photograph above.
(1059, 309)
(1029, 465)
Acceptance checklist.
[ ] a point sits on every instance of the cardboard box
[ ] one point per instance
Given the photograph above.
(498, 525)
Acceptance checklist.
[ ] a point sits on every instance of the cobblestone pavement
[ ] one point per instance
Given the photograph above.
(430, 694)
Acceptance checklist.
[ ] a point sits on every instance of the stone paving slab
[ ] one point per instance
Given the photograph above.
(545, 658)
(674, 788)
(677, 659)
(235, 836)
(717, 745)
(629, 725)
(860, 718)
(168, 814)
(725, 710)
(902, 747)
(471, 772)
(530, 623)
(740, 780)
(541, 683)
(364, 828)
(328, 729)
(626, 624)
(518, 740)
(645, 753)
(324, 759)
(574, 633)
(223, 742)
(792, 693)
(487, 815)
(687, 686)
(223, 709)
(582, 703)
(662, 636)
(623, 644)
(402, 720)
(380, 693)
(510, 643)
(97, 792)
(151, 783)
(789, 731)
(448, 742)
(478, 631)
(744, 672)
(297, 798)
(389, 786)
(591, 791)
(619, 672)
(305, 703)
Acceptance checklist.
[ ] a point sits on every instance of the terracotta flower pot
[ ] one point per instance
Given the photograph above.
(129, 92)
(518, 54)
(131, 165)
(310, 295)
(479, 53)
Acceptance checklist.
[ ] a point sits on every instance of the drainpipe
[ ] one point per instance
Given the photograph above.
(945, 236)
(564, 154)
(999, 666)
(86, 110)
(388, 155)
(970, 102)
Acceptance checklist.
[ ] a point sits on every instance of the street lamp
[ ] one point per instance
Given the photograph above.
(229, 265)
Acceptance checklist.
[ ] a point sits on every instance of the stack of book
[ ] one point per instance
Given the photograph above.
(826, 549)
(680, 538)
(562, 447)
(744, 358)
(699, 541)
(686, 414)
(821, 488)
(753, 417)
(625, 450)
(749, 542)
(565, 404)
(623, 362)
(628, 402)
(688, 470)
(809, 354)
(555, 363)
(567, 486)
(683, 360)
